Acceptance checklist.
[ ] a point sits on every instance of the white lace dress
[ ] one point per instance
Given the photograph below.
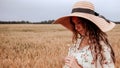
(84, 56)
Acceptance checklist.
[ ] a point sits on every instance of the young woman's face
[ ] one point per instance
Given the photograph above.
(78, 25)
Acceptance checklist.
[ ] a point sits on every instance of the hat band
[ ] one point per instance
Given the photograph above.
(89, 11)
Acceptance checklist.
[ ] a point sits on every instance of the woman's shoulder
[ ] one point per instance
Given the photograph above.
(105, 46)
(74, 45)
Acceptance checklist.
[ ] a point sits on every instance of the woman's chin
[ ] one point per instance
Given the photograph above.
(82, 33)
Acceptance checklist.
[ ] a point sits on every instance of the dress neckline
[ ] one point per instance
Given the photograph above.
(78, 43)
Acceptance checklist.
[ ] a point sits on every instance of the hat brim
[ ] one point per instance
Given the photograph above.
(100, 22)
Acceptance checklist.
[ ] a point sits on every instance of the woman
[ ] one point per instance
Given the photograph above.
(90, 48)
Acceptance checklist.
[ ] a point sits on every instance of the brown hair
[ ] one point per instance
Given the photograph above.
(95, 35)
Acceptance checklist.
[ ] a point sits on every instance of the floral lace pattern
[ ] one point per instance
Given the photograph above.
(84, 56)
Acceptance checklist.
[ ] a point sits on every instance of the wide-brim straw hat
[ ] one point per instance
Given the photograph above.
(85, 9)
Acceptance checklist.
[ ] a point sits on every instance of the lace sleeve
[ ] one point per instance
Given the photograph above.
(71, 51)
(108, 63)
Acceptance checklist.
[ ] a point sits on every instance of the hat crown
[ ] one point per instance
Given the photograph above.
(84, 4)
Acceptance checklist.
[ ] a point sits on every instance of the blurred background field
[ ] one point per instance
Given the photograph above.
(41, 45)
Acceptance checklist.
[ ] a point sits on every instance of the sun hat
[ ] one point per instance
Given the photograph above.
(85, 9)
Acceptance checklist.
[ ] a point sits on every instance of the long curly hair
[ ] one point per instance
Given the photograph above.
(96, 35)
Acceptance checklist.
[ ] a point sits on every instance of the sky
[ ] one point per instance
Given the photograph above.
(40, 10)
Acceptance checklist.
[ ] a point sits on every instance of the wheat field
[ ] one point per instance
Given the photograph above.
(41, 45)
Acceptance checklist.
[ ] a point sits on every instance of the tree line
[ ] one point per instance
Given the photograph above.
(117, 22)
(26, 22)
